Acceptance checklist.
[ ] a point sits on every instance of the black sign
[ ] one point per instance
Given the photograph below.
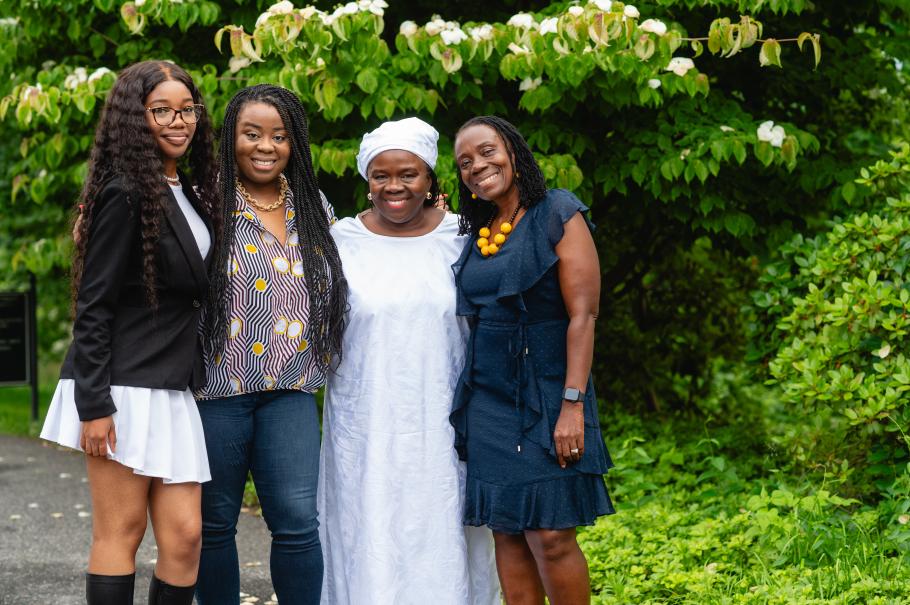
(14, 338)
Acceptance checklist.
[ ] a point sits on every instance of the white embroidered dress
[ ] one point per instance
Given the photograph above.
(391, 487)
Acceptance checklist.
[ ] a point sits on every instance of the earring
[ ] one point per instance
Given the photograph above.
(517, 175)
(370, 196)
(429, 195)
(473, 196)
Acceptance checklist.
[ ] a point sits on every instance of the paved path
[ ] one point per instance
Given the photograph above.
(45, 531)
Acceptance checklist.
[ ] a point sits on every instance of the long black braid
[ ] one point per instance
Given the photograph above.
(532, 187)
(125, 147)
(321, 262)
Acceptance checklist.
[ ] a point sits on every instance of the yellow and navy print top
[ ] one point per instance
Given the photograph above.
(268, 336)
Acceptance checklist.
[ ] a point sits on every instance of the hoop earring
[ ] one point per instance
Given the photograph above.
(370, 196)
(429, 195)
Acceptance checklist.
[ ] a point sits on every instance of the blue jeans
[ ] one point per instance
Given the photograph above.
(274, 435)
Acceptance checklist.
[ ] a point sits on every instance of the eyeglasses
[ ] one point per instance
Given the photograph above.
(165, 116)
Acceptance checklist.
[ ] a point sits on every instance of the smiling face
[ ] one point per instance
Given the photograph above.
(399, 182)
(485, 164)
(261, 147)
(174, 139)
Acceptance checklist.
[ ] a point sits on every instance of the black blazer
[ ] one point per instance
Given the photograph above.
(117, 338)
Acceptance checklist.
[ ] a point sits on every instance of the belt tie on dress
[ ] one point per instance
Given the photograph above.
(518, 349)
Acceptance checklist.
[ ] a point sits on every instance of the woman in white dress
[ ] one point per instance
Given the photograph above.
(391, 488)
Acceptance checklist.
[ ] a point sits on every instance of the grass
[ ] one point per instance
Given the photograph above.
(16, 403)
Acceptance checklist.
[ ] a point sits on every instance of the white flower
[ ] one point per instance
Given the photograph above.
(680, 65)
(523, 20)
(726, 128)
(654, 83)
(453, 36)
(631, 12)
(484, 32)
(518, 50)
(407, 29)
(281, 8)
(604, 5)
(139, 2)
(548, 26)
(176, 1)
(435, 26)
(774, 135)
(903, 519)
(308, 11)
(350, 8)
(328, 19)
(262, 18)
(76, 78)
(886, 348)
(576, 11)
(9, 22)
(235, 64)
(530, 83)
(377, 7)
(655, 26)
(98, 74)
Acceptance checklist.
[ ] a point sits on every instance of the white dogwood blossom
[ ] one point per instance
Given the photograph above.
(631, 12)
(407, 29)
(530, 83)
(770, 133)
(483, 32)
(519, 50)
(576, 11)
(548, 26)
(654, 83)
(453, 36)
(680, 65)
(523, 20)
(654, 26)
(604, 5)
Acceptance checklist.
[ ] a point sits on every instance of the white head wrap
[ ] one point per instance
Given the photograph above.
(409, 134)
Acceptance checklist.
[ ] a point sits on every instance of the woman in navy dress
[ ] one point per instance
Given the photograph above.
(525, 412)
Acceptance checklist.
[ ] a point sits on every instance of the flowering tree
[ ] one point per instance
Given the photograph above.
(661, 119)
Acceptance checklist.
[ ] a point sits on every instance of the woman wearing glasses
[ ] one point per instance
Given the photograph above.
(139, 281)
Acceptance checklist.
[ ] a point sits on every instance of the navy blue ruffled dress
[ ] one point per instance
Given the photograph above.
(509, 395)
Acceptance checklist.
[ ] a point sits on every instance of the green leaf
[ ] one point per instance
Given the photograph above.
(770, 53)
(367, 80)
(816, 45)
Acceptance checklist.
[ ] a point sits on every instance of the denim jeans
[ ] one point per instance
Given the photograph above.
(274, 435)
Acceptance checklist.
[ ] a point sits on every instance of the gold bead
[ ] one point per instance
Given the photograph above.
(499, 239)
(484, 232)
(482, 242)
(473, 196)
(485, 251)
(493, 248)
(505, 228)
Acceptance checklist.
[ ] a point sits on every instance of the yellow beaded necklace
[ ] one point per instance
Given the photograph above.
(488, 248)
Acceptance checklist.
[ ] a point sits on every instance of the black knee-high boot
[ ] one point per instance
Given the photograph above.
(162, 593)
(109, 590)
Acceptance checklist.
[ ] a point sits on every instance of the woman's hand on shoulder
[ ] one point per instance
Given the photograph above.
(97, 434)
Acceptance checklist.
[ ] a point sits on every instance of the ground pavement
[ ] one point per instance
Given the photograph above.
(45, 530)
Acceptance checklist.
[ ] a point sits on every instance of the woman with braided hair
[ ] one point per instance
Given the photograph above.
(124, 396)
(525, 414)
(272, 324)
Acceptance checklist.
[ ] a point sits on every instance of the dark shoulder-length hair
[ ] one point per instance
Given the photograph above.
(125, 147)
(325, 281)
(532, 187)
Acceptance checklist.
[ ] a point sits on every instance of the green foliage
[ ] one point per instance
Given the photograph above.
(835, 310)
(700, 522)
(658, 117)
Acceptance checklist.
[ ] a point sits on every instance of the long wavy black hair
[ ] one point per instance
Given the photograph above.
(321, 263)
(532, 187)
(125, 147)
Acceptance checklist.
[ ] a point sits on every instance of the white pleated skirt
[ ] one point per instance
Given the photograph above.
(159, 431)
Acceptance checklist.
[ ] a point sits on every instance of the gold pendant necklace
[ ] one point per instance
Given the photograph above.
(282, 192)
(489, 248)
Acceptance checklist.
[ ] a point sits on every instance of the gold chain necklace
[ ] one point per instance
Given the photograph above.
(282, 192)
(489, 248)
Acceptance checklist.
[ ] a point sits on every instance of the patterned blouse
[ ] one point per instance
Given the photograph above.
(268, 340)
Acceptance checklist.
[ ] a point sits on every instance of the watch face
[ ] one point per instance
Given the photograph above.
(571, 394)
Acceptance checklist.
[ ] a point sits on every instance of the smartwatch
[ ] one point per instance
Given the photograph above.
(572, 394)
